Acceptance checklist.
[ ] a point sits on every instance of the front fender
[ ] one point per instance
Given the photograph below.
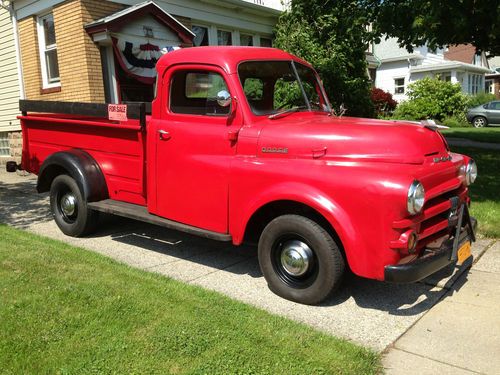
(80, 166)
(307, 195)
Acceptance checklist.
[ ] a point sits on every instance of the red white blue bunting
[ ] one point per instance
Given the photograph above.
(139, 60)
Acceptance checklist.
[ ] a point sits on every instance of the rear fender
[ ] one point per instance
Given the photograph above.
(81, 167)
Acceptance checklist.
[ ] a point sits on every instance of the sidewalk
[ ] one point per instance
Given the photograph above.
(460, 334)
(464, 142)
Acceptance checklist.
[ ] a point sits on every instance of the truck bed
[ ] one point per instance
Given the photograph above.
(119, 147)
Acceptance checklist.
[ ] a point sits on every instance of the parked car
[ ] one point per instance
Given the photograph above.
(485, 114)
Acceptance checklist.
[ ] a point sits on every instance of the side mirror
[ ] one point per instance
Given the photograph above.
(223, 98)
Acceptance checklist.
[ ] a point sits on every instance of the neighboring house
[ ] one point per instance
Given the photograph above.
(398, 67)
(10, 90)
(493, 79)
(105, 51)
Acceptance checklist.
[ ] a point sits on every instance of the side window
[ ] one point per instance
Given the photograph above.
(495, 105)
(195, 93)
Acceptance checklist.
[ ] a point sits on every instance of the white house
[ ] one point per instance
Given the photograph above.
(10, 86)
(398, 68)
(72, 50)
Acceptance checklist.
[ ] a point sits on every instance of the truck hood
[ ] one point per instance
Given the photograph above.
(348, 138)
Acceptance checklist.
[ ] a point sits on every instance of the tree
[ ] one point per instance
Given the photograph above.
(439, 23)
(332, 36)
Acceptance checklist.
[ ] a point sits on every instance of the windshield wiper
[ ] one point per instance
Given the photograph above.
(286, 111)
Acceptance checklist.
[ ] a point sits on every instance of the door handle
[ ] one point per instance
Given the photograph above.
(164, 135)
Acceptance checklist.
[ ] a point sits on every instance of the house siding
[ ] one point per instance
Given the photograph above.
(9, 80)
(78, 56)
(387, 73)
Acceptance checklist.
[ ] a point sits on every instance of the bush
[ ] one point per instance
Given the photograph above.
(432, 98)
(456, 121)
(409, 110)
(478, 99)
(383, 102)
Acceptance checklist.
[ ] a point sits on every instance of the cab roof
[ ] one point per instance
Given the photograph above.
(227, 57)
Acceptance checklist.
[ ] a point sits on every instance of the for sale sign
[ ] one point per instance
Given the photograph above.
(117, 112)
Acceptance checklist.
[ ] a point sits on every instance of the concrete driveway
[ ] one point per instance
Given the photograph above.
(368, 312)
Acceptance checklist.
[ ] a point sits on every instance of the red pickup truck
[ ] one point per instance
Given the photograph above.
(242, 145)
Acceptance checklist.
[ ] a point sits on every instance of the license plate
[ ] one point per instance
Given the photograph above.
(463, 253)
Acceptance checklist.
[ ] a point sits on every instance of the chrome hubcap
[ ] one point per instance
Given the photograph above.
(296, 257)
(68, 204)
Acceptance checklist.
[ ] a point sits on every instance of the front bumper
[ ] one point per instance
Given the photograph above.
(432, 260)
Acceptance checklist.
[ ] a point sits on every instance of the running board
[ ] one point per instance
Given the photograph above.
(137, 212)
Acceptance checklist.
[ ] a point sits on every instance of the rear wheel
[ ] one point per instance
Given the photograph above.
(300, 260)
(69, 208)
(479, 122)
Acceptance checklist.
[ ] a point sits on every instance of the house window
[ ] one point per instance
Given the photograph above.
(4, 144)
(48, 51)
(201, 38)
(266, 42)
(488, 86)
(474, 83)
(477, 60)
(372, 75)
(246, 40)
(224, 38)
(399, 86)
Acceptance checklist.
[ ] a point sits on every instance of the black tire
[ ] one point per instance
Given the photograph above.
(83, 220)
(479, 122)
(326, 266)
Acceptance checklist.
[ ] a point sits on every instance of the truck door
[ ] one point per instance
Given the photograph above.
(193, 149)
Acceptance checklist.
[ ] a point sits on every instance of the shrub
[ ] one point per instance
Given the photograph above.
(432, 98)
(456, 121)
(409, 110)
(383, 102)
(478, 99)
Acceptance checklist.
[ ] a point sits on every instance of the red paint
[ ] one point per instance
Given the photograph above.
(211, 171)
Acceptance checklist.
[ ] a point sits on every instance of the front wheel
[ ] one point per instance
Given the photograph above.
(479, 122)
(69, 208)
(300, 260)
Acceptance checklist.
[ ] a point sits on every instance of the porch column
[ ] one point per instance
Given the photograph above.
(454, 78)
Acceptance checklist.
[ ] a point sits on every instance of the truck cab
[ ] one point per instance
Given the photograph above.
(242, 145)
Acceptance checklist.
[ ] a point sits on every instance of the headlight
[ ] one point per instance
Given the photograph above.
(416, 198)
(470, 172)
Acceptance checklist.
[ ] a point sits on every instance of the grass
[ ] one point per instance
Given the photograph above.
(485, 192)
(67, 310)
(488, 134)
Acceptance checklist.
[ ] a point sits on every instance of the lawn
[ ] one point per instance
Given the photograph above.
(67, 310)
(485, 192)
(488, 134)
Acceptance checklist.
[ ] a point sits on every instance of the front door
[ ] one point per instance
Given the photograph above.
(193, 150)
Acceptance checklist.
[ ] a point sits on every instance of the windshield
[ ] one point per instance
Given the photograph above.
(273, 87)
